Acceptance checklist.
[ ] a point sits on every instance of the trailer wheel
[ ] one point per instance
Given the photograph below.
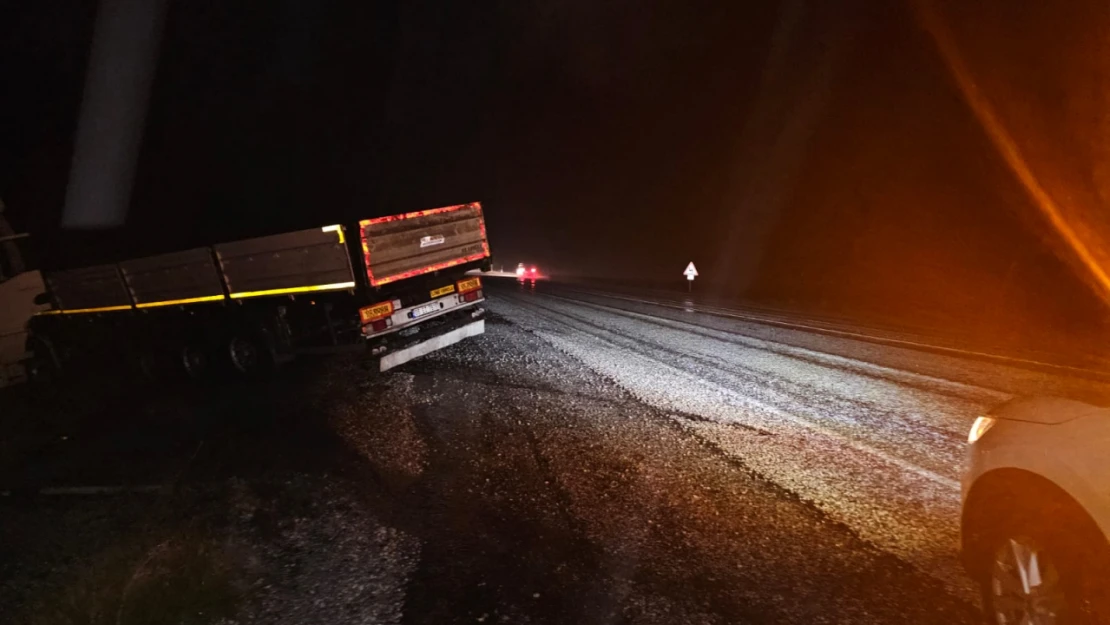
(43, 367)
(194, 361)
(149, 365)
(249, 354)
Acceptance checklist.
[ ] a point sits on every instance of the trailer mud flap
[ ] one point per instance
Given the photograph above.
(402, 356)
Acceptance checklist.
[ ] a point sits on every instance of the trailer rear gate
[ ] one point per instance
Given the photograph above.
(402, 246)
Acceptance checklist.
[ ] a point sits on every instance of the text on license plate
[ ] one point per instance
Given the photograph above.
(450, 288)
(420, 311)
(469, 285)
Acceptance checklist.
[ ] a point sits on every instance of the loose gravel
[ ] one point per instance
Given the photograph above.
(876, 448)
(572, 465)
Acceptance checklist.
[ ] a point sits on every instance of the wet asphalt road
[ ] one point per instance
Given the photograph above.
(586, 461)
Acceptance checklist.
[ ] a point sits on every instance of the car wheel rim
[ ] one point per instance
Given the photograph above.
(1025, 585)
(243, 354)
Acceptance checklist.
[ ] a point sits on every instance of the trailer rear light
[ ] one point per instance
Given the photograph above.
(469, 285)
(380, 325)
(470, 296)
(380, 310)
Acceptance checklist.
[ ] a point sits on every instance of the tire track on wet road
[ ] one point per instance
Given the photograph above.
(898, 505)
(808, 406)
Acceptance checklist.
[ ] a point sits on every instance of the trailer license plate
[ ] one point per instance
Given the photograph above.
(425, 309)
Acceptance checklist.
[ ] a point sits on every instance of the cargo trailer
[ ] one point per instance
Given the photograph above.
(394, 287)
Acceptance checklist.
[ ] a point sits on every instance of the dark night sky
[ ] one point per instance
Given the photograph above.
(800, 151)
(571, 121)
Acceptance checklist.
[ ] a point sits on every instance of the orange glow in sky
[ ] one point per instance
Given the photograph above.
(1008, 148)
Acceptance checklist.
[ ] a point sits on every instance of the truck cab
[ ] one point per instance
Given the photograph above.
(18, 289)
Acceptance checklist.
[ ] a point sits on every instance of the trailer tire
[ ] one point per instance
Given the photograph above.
(194, 361)
(250, 354)
(44, 367)
(149, 365)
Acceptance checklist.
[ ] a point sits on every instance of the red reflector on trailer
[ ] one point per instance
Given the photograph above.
(380, 325)
(471, 296)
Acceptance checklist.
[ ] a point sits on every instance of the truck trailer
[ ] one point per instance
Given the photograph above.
(394, 287)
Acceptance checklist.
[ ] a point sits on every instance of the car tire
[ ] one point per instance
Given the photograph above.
(1044, 557)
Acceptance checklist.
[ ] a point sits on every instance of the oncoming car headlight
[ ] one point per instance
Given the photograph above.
(979, 428)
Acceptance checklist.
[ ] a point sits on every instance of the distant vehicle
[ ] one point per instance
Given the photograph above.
(1036, 512)
(525, 272)
(397, 289)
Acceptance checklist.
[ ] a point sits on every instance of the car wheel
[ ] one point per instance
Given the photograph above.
(1045, 563)
(1024, 584)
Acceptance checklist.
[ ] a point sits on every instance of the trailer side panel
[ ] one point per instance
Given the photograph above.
(89, 288)
(302, 261)
(177, 278)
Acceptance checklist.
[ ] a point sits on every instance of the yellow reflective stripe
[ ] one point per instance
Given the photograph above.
(336, 228)
(71, 311)
(188, 300)
(47, 312)
(297, 289)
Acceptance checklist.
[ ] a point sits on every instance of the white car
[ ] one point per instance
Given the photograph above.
(1036, 512)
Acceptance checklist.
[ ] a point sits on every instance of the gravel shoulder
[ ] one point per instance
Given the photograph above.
(875, 448)
(501, 480)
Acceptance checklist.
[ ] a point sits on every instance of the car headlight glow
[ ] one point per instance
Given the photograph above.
(979, 428)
